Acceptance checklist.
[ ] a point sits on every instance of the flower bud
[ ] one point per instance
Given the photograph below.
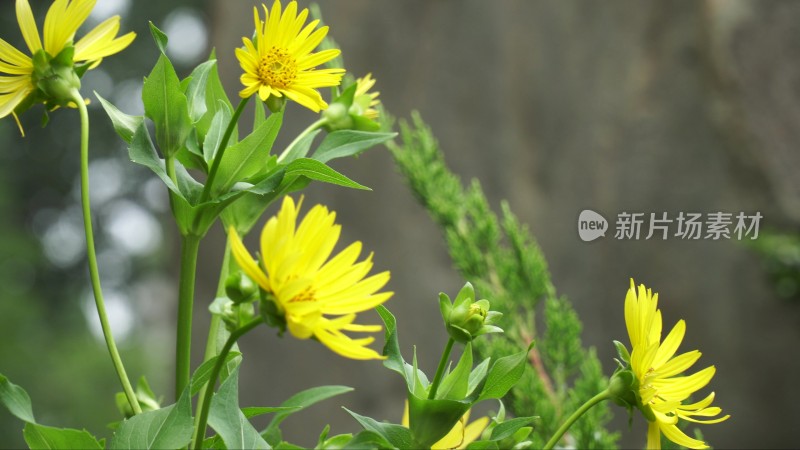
(337, 118)
(465, 318)
(240, 288)
(275, 103)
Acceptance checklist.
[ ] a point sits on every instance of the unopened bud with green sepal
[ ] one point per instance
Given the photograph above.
(465, 319)
(240, 288)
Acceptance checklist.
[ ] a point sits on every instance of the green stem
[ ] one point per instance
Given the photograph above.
(605, 395)
(200, 430)
(189, 247)
(437, 379)
(213, 328)
(92, 256)
(314, 126)
(212, 171)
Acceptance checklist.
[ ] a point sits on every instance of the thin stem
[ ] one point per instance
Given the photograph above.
(200, 430)
(92, 256)
(189, 247)
(605, 395)
(212, 171)
(437, 379)
(314, 126)
(213, 328)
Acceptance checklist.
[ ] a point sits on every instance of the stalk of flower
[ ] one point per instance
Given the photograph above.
(650, 379)
(317, 296)
(51, 75)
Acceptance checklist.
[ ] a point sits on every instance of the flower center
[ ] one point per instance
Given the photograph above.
(306, 295)
(277, 68)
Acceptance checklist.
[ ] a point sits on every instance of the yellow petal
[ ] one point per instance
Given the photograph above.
(245, 261)
(677, 436)
(27, 24)
(670, 344)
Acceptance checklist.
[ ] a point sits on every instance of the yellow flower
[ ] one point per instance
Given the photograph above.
(657, 371)
(307, 286)
(280, 61)
(62, 21)
(460, 436)
(363, 85)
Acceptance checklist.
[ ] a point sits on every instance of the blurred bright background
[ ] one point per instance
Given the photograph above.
(557, 106)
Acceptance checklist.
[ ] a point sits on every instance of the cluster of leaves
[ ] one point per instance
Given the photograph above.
(172, 426)
(507, 266)
(191, 119)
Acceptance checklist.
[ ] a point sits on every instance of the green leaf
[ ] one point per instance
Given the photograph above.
(203, 373)
(504, 374)
(344, 143)
(431, 420)
(169, 427)
(42, 437)
(249, 157)
(316, 170)
(300, 148)
(16, 400)
(454, 386)
(216, 131)
(165, 104)
(160, 38)
(227, 419)
(299, 402)
(215, 93)
(125, 125)
(141, 151)
(255, 411)
(477, 375)
(509, 427)
(196, 91)
(397, 435)
(391, 347)
(368, 439)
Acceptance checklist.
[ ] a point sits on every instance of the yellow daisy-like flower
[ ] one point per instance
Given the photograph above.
(657, 370)
(280, 61)
(307, 286)
(363, 85)
(62, 21)
(460, 436)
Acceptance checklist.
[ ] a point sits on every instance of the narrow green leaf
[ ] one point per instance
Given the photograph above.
(391, 347)
(203, 373)
(301, 147)
(160, 38)
(169, 427)
(483, 445)
(229, 422)
(504, 374)
(509, 427)
(125, 125)
(255, 411)
(454, 385)
(368, 439)
(215, 93)
(165, 104)
(141, 151)
(43, 437)
(301, 401)
(249, 157)
(344, 143)
(196, 91)
(477, 375)
(16, 400)
(216, 131)
(397, 435)
(319, 171)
